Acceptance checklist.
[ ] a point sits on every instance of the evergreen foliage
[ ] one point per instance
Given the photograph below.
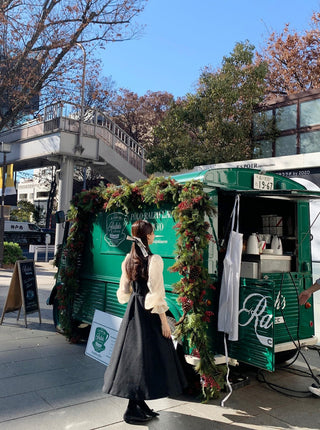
(11, 253)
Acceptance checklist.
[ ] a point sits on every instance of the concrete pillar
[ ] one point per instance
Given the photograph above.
(65, 184)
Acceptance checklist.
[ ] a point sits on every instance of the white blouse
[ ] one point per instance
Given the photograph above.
(155, 298)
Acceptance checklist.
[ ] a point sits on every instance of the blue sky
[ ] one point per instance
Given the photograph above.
(183, 36)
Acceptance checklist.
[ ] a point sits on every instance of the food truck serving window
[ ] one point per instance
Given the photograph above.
(269, 213)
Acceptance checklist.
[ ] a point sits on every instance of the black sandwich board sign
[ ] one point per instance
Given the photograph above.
(23, 291)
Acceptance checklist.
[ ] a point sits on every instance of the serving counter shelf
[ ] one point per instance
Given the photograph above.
(252, 266)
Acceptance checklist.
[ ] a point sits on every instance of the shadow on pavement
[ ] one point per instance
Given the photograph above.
(177, 421)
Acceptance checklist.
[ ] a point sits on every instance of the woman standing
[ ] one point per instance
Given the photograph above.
(144, 364)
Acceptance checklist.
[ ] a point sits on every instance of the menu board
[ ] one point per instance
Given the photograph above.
(23, 290)
(28, 283)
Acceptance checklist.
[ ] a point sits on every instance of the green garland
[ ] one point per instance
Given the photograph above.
(192, 204)
(84, 208)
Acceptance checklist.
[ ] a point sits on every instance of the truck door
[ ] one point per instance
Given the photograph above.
(256, 324)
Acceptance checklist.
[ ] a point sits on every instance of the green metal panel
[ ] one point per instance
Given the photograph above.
(292, 321)
(303, 232)
(236, 179)
(190, 176)
(90, 296)
(111, 229)
(256, 324)
(109, 245)
(174, 308)
(96, 294)
(102, 259)
(164, 243)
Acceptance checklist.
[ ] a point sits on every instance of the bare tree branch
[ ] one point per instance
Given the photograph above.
(37, 40)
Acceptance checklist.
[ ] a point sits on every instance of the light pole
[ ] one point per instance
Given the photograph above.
(5, 148)
(67, 162)
(79, 146)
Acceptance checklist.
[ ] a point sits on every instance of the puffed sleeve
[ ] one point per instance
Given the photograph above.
(124, 291)
(155, 299)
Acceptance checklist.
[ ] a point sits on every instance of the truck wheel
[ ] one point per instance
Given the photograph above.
(282, 356)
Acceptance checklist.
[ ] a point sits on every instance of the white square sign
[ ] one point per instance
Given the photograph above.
(102, 337)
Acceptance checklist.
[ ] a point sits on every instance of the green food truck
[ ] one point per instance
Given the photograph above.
(274, 211)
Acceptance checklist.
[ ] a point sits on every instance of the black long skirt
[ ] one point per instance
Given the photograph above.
(144, 364)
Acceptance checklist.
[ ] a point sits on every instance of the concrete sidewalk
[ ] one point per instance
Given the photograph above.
(48, 383)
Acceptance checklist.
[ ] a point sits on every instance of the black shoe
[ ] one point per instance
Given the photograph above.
(135, 415)
(150, 412)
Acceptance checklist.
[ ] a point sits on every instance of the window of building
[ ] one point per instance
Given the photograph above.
(286, 117)
(263, 149)
(310, 113)
(23, 196)
(310, 142)
(42, 194)
(286, 145)
(41, 204)
(262, 121)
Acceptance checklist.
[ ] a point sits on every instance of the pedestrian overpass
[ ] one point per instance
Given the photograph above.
(67, 136)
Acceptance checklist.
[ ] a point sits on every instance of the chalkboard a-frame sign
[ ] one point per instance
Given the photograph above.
(23, 290)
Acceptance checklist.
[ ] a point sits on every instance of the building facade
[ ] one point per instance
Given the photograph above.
(36, 190)
(296, 120)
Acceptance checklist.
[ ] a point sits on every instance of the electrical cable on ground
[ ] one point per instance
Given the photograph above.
(285, 390)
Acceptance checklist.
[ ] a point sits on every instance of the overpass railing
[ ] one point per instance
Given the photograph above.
(65, 116)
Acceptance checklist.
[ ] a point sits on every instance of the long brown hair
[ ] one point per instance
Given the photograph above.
(137, 264)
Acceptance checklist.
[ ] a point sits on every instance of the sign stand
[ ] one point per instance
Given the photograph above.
(23, 291)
